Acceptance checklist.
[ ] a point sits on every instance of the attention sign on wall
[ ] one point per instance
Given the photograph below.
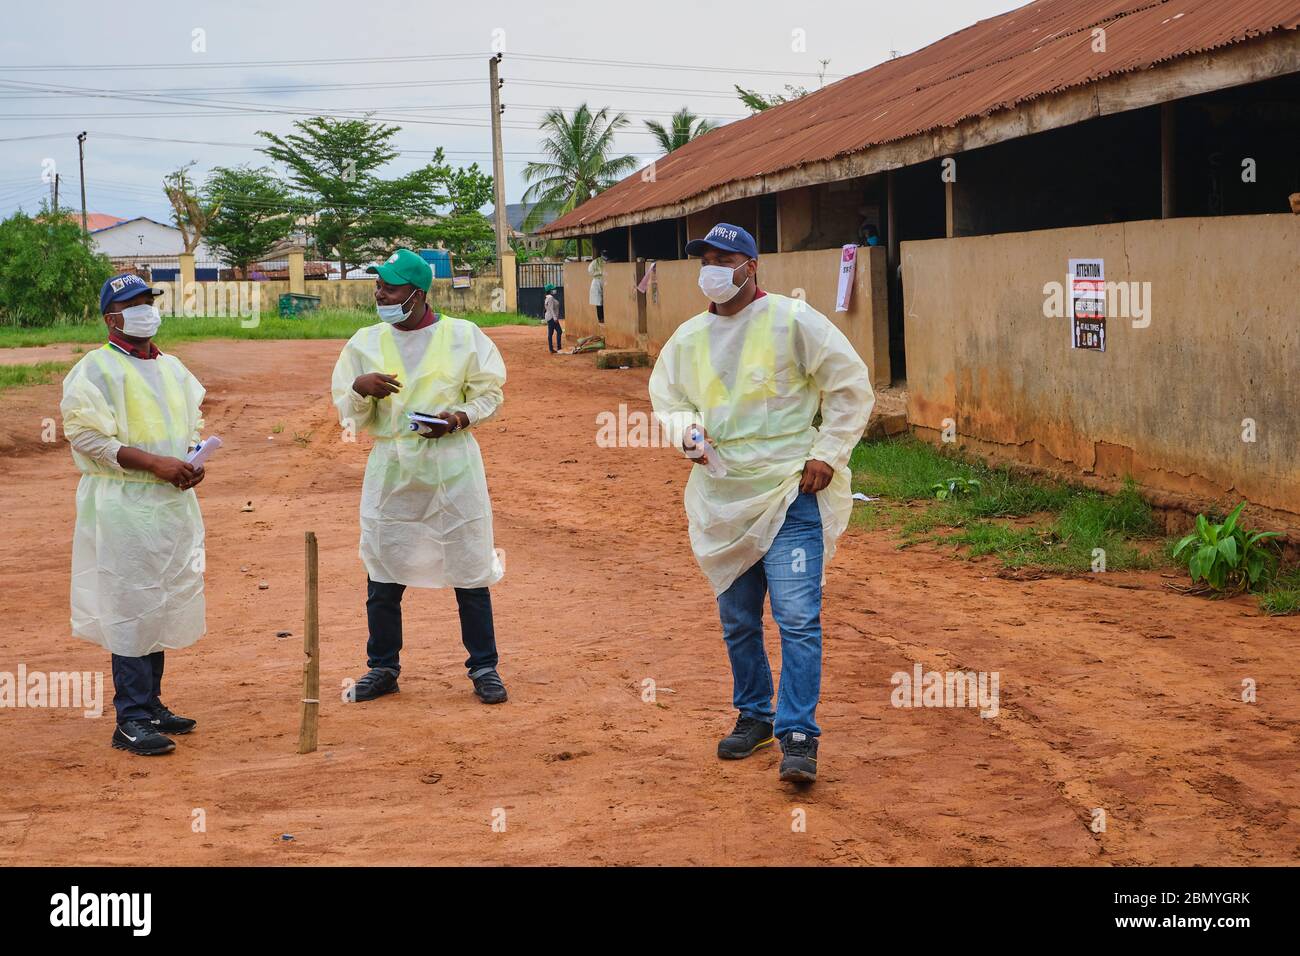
(1088, 304)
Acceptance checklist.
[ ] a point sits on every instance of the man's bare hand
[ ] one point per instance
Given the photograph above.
(176, 472)
(458, 419)
(376, 385)
(686, 440)
(816, 476)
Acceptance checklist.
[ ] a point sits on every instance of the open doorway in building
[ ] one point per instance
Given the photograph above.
(915, 211)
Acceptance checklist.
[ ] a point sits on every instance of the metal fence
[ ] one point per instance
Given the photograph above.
(532, 278)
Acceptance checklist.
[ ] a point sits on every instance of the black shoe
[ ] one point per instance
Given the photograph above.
(142, 738)
(799, 765)
(489, 688)
(166, 722)
(750, 734)
(376, 682)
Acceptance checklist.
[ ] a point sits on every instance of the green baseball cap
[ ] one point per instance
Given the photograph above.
(404, 267)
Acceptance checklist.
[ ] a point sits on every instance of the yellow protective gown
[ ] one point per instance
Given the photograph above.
(426, 520)
(137, 550)
(755, 380)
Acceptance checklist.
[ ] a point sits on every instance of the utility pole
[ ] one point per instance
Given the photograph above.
(498, 161)
(81, 162)
(56, 194)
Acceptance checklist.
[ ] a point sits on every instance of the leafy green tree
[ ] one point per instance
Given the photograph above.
(48, 269)
(252, 212)
(682, 128)
(333, 165)
(464, 229)
(578, 164)
(356, 216)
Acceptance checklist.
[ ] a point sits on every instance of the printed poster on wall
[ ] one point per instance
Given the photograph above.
(1088, 304)
(848, 261)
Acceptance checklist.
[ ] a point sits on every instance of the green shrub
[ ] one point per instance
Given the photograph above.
(48, 270)
(1227, 557)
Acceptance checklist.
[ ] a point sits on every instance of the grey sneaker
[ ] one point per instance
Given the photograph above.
(750, 734)
(376, 682)
(799, 765)
(489, 687)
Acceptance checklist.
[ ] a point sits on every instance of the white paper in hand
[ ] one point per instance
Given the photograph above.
(204, 451)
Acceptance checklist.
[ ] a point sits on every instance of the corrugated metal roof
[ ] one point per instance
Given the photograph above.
(1033, 51)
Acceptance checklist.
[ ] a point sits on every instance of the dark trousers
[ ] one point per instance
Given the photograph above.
(384, 616)
(137, 683)
(600, 313)
(555, 330)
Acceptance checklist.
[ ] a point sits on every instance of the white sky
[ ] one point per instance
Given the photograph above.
(123, 176)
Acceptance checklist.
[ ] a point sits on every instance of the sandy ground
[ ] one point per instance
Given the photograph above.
(1115, 694)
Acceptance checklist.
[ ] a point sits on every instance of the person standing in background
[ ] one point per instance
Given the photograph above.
(554, 326)
(596, 296)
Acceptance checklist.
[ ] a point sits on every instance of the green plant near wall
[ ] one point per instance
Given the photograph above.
(956, 487)
(1227, 557)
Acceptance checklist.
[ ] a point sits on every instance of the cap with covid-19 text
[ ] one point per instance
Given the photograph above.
(119, 288)
(726, 237)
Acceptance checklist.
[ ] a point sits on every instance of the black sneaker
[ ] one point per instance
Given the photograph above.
(489, 688)
(799, 765)
(142, 738)
(750, 734)
(376, 682)
(166, 722)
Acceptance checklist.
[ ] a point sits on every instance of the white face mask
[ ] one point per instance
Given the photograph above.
(141, 321)
(718, 283)
(394, 314)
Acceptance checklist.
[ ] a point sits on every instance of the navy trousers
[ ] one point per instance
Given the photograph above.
(384, 616)
(137, 684)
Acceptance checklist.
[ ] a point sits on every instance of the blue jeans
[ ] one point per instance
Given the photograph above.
(791, 573)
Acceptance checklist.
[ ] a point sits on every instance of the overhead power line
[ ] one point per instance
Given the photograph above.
(422, 58)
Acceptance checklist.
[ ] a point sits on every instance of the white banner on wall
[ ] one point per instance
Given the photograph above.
(848, 264)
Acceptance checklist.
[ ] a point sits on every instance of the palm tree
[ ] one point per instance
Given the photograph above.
(578, 165)
(685, 127)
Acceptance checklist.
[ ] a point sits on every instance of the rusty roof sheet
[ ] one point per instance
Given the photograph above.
(1036, 50)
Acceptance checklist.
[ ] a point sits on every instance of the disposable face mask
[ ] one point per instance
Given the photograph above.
(394, 313)
(141, 321)
(717, 282)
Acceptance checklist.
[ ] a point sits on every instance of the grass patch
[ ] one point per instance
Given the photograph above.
(322, 324)
(40, 373)
(1283, 595)
(1065, 527)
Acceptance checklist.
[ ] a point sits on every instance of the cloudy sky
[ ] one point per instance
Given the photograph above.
(133, 76)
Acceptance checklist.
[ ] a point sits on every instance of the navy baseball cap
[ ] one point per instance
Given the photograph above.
(126, 286)
(726, 237)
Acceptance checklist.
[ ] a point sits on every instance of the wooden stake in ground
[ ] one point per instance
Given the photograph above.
(311, 648)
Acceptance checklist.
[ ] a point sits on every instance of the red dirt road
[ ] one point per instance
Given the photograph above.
(1115, 694)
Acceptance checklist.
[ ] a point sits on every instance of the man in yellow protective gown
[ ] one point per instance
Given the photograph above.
(426, 520)
(131, 414)
(746, 379)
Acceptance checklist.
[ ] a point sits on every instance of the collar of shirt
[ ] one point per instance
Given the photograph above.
(146, 351)
(758, 294)
(430, 317)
